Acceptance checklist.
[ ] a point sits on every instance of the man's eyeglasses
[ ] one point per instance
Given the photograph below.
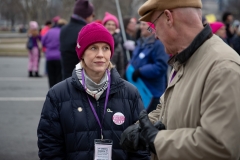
(151, 28)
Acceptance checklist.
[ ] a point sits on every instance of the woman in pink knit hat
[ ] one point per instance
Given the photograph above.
(219, 29)
(84, 116)
(111, 23)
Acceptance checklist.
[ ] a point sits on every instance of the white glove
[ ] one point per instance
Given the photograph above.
(129, 45)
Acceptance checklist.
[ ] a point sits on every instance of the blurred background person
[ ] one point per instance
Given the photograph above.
(204, 20)
(82, 14)
(219, 29)
(235, 42)
(130, 26)
(55, 21)
(150, 63)
(235, 26)
(53, 56)
(44, 30)
(227, 19)
(111, 23)
(34, 49)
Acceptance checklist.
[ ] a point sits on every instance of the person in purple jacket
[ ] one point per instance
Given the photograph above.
(53, 56)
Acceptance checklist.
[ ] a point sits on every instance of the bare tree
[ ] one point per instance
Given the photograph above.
(23, 11)
(10, 10)
(135, 5)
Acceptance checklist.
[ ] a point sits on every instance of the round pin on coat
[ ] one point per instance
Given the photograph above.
(118, 118)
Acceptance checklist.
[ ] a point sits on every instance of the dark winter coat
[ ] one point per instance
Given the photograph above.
(118, 56)
(67, 132)
(235, 43)
(68, 41)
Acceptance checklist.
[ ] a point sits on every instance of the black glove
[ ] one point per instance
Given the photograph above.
(130, 139)
(159, 125)
(148, 131)
(135, 75)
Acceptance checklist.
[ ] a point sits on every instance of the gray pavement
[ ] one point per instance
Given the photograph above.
(21, 101)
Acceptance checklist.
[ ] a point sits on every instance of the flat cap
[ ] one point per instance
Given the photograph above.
(147, 9)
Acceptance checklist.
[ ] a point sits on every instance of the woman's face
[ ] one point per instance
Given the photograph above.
(97, 58)
(111, 26)
(143, 27)
(132, 25)
(34, 32)
(221, 32)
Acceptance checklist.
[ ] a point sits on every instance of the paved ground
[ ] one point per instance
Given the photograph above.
(21, 101)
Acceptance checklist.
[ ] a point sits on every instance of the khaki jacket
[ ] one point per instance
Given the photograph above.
(201, 106)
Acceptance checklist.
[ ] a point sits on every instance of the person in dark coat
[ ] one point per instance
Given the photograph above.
(95, 104)
(82, 14)
(235, 43)
(227, 19)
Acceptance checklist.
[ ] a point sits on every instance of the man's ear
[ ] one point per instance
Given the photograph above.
(169, 17)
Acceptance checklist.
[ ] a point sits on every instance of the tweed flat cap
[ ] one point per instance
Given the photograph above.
(147, 9)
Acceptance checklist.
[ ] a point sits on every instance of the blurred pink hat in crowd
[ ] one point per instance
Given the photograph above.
(33, 25)
(216, 26)
(108, 17)
(55, 19)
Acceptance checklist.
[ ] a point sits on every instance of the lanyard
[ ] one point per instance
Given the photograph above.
(106, 100)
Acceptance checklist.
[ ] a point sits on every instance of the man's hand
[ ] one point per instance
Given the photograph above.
(130, 139)
(148, 131)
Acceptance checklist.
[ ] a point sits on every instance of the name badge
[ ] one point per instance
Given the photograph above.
(102, 149)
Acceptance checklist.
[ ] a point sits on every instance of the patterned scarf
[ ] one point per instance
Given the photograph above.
(92, 88)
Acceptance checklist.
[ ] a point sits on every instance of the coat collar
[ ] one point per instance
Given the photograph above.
(79, 21)
(181, 58)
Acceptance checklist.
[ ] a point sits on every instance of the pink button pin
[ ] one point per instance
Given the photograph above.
(118, 118)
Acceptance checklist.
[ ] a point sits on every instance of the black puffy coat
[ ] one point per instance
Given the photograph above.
(68, 42)
(66, 133)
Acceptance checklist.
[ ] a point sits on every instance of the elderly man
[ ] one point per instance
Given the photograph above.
(201, 106)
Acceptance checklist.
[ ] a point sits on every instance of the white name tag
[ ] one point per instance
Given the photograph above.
(102, 149)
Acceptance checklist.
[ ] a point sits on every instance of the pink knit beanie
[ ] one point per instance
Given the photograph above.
(33, 25)
(109, 17)
(216, 26)
(93, 33)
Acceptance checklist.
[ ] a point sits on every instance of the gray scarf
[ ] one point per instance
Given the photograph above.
(92, 88)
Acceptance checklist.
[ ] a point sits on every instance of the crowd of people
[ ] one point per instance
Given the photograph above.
(228, 30)
(92, 106)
